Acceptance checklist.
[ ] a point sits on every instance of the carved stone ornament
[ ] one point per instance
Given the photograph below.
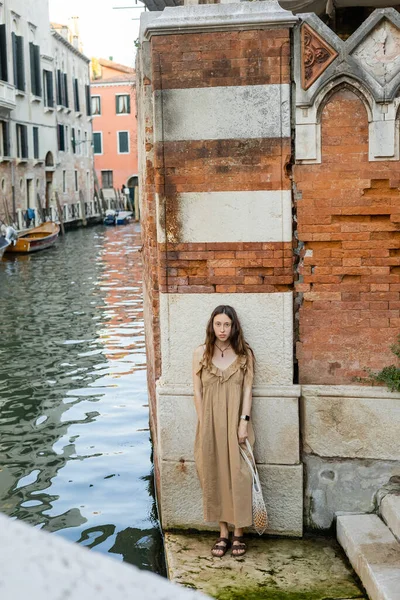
(316, 56)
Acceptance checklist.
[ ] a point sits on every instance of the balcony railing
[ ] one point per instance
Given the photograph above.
(7, 95)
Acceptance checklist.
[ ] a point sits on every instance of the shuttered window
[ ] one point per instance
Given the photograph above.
(48, 91)
(59, 87)
(22, 141)
(123, 142)
(5, 138)
(3, 54)
(73, 140)
(75, 83)
(65, 91)
(88, 101)
(36, 142)
(18, 61)
(61, 137)
(36, 84)
(97, 143)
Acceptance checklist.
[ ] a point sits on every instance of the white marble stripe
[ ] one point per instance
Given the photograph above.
(258, 216)
(213, 113)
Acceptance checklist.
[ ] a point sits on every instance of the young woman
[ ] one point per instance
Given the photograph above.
(223, 376)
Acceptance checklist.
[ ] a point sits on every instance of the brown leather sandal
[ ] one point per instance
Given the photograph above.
(238, 549)
(217, 546)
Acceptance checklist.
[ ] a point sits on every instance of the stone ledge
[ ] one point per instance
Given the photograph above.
(349, 391)
(374, 553)
(42, 566)
(181, 504)
(267, 391)
(390, 511)
(219, 17)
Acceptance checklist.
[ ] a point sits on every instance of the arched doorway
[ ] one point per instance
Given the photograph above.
(132, 184)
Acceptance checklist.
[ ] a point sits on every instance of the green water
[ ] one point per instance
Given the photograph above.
(75, 452)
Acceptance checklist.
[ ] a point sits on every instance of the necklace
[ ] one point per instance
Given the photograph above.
(222, 351)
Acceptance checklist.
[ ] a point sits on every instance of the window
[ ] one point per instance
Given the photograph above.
(75, 84)
(123, 104)
(64, 181)
(48, 92)
(88, 102)
(3, 54)
(73, 139)
(66, 128)
(22, 141)
(36, 142)
(97, 142)
(66, 101)
(79, 142)
(123, 142)
(62, 89)
(61, 137)
(96, 105)
(18, 61)
(76, 180)
(107, 179)
(36, 84)
(5, 138)
(86, 149)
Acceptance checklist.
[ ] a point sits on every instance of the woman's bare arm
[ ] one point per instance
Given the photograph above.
(197, 385)
(247, 399)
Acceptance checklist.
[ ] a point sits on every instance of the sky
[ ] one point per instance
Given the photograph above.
(105, 32)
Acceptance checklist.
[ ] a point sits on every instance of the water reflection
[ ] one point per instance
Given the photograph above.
(74, 439)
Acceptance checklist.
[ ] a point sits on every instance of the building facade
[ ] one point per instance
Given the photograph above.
(33, 164)
(114, 126)
(269, 162)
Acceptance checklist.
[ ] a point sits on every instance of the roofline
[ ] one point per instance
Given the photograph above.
(60, 38)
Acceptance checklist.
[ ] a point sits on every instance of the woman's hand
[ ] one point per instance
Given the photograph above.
(242, 432)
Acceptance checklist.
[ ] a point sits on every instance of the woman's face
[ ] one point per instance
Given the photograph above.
(222, 327)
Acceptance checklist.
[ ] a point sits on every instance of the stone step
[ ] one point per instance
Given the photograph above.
(390, 511)
(374, 554)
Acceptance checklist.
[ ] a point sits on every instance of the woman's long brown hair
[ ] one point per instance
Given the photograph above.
(237, 341)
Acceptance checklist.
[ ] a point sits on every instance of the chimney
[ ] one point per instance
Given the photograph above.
(75, 32)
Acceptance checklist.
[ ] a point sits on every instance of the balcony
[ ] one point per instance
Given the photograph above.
(7, 95)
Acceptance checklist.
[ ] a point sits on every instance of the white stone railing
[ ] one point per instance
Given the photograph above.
(43, 566)
(71, 212)
(7, 95)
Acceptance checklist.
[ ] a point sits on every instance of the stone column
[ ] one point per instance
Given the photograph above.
(220, 91)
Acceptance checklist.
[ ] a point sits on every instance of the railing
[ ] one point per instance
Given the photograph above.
(7, 95)
(71, 213)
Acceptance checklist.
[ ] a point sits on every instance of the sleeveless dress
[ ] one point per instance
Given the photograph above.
(224, 476)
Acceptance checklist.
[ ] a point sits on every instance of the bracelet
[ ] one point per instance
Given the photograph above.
(245, 417)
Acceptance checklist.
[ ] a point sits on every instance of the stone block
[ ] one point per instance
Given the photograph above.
(374, 553)
(181, 504)
(275, 421)
(342, 486)
(267, 320)
(390, 511)
(351, 422)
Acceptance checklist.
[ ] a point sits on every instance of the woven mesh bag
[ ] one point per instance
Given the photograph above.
(260, 517)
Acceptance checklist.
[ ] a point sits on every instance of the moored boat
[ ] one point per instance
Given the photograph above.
(37, 238)
(117, 217)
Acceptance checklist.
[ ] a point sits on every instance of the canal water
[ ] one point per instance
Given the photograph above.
(75, 451)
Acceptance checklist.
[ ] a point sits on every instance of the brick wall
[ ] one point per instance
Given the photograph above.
(348, 219)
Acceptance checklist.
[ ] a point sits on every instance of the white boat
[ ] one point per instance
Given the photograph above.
(123, 217)
(9, 237)
(4, 243)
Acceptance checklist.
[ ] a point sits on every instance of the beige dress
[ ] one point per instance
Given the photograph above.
(224, 476)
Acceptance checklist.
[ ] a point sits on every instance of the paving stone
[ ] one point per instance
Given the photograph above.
(273, 568)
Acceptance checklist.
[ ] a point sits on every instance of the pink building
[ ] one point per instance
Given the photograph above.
(114, 126)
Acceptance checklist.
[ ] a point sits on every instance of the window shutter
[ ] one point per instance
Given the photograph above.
(73, 140)
(35, 142)
(20, 63)
(3, 54)
(123, 143)
(88, 101)
(128, 104)
(66, 99)
(32, 65)
(36, 51)
(6, 138)
(76, 95)
(24, 140)
(15, 62)
(50, 88)
(59, 88)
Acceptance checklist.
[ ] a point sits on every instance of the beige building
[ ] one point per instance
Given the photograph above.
(45, 123)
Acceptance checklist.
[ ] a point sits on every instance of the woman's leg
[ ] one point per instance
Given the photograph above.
(223, 533)
(238, 545)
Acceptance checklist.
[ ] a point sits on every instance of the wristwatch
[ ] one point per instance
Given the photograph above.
(245, 417)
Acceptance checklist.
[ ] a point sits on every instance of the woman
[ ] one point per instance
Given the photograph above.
(223, 376)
